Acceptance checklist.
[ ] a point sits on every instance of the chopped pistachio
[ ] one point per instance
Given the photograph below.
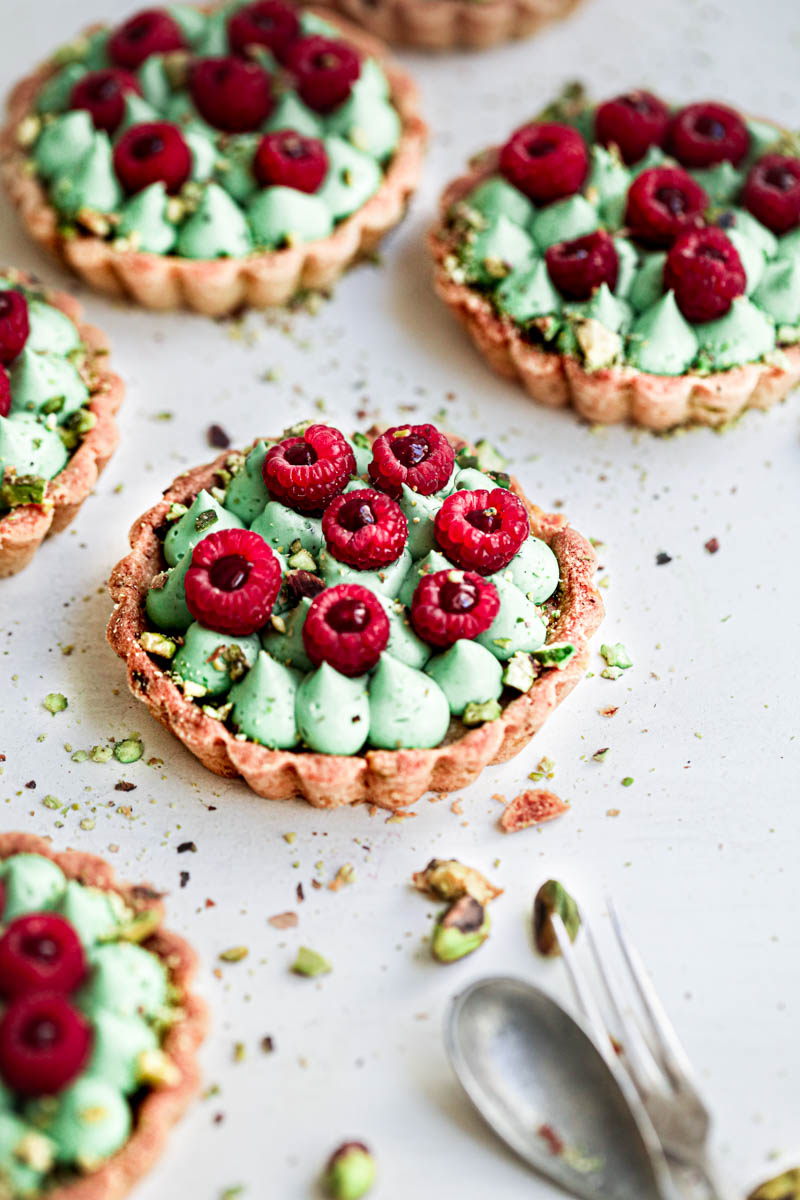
(175, 511)
(627, 781)
(601, 755)
(350, 1172)
(556, 654)
(129, 751)
(157, 1069)
(478, 714)
(519, 672)
(783, 1187)
(460, 930)
(101, 754)
(139, 927)
(449, 879)
(362, 441)
(157, 643)
(55, 702)
(552, 898)
(610, 673)
(35, 1150)
(310, 964)
(301, 560)
(205, 520)
(616, 655)
(234, 954)
(51, 802)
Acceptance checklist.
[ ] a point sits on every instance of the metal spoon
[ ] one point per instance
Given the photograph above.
(537, 1078)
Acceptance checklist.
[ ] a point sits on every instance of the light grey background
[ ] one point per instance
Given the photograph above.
(703, 854)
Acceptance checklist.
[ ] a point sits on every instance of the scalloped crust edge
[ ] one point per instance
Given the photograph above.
(24, 529)
(161, 1108)
(217, 287)
(447, 24)
(390, 779)
(607, 396)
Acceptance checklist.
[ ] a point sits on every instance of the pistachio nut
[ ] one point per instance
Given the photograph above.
(449, 879)
(552, 898)
(460, 929)
(350, 1172)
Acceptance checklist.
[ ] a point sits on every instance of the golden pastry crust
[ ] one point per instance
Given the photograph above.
(610, 395)
(391, 779)
(162, 1107)
(447, 24)
(24, 529)
(217, 287)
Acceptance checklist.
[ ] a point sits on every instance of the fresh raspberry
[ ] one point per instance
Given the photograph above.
(102, 94)
(5, 402)
(701, 135)
(152, 153)
(633, 123)
(449, 605)
(307, 472)
(772, 192)
(44, 1044)
(288, 159)
(269, 23)
(233, 581)
(325, 71)
(663, 202)
(14, 327)
(481, 531)
(704, 270)
(545, 161)
(365, 529)
(40, 952)
(346, 627)
(151, 31)
(579, 267)
(231, 94)
(418, 456)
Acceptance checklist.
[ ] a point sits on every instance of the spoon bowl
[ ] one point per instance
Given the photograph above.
(540, 1082)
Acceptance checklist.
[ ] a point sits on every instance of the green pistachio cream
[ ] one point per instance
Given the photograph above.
(49, 1140)
(48, 412)
(500, 239)
(264, 687)
(218, 207)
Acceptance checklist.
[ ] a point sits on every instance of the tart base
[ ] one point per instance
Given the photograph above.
(24, 529)
(217, 287)
(390, 779)
(612, 394)
(163, 1107)
(448, 24)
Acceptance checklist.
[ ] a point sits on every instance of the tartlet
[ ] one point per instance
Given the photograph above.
(362, 687)
(67, 396)
(89, 1117)
(447, 24)
(559, 254)
(151, 180)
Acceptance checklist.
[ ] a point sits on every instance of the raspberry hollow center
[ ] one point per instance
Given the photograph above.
(710, 127)
(45, 949)
(673, 199)
(5, 304)
(781, 178)
(349, 616)
(301, 454)
(104, 87)
(42, 1033)
(412, 450)
(139, 28)
(230, 572)
(539, 147)
(148, 146)
(459, 596)
(356, 515)
(488, 520)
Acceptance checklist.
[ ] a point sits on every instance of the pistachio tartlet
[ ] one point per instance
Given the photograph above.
(213, 158)
(99, 1030)
(448, 24)
(353, 619)
(638, 262)
(58, 398)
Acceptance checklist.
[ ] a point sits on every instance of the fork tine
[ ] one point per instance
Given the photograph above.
(672, 1054)
(583, 994)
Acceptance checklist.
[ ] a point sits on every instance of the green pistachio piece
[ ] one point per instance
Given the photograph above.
(782, 1187)
(552, 898)
(616, 656)
(129, 751)
(460, 930)
(478, 714)
(350, 1172)
(310, 964)
(16, 490)
(557, 654)
(519, 673)
(449, 879)
(55, 702)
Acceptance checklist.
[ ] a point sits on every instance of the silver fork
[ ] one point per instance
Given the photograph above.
(649, 1050)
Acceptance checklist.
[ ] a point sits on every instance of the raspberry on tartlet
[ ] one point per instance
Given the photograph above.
(306, 472)
(418, 456)
(480, 530)
(772, 192)
(704, 270)
(325, 71)
(40, 952)
(545, 160)
(102, 94)
(232, 94)
(269, 23)
(663, 202)
(152, 153)
(633, 123)
(14, 325)
(233, 582)
(44, 1044)
(365, 529)
(151, 31)
(702, 135)
(287, 159)
(346, 627)
(5, 402)
(579, 267)
(449, 605)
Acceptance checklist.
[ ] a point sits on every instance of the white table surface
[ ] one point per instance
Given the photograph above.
(703, 854)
